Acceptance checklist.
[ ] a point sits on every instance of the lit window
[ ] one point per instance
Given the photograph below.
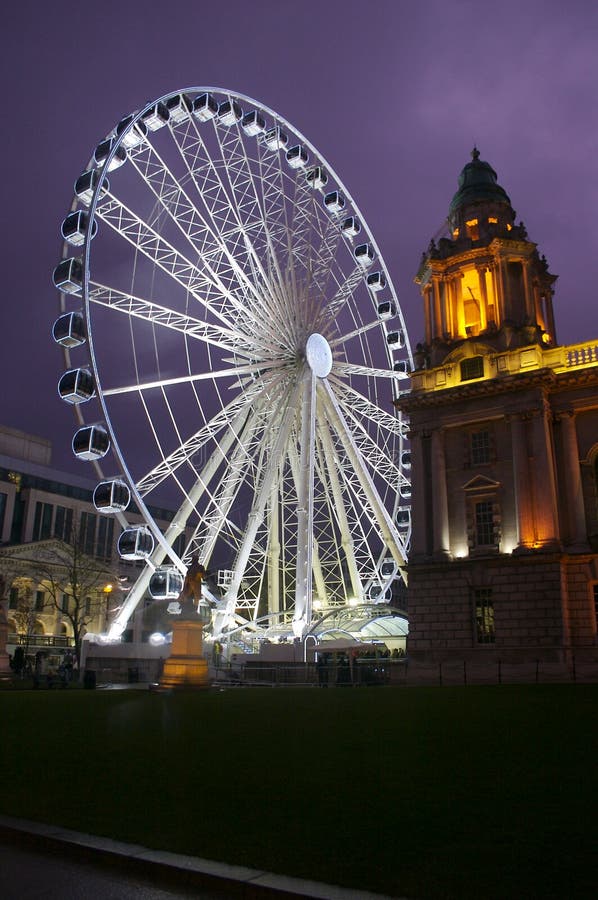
(455, 232)
(472, 229)
(484, 615)
(472, 367)
(509, 227)
(492, 220)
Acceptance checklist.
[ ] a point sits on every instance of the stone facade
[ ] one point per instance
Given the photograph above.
(504, 448)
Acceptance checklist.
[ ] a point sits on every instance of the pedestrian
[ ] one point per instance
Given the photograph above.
(322, 667)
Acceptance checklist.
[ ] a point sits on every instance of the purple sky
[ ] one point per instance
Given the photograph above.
(393, 93)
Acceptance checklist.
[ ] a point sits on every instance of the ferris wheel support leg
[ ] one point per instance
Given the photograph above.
(346, 538)
(387, 528)
(256, 515)
(305, 513)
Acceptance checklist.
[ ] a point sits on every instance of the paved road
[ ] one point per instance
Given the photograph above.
(32, 874)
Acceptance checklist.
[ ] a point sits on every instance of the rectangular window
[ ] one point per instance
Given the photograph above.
(13, 598)
(484, 615)
(484, 523)
(63, 521)
(472, 367)
(65, 603)
(42, 521)
(39, 601)
(479, 448)
(88, 533)
(105, 537)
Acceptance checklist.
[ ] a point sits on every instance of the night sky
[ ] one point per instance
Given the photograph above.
(393, 93)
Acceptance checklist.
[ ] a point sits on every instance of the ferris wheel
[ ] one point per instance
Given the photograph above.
(233, 344)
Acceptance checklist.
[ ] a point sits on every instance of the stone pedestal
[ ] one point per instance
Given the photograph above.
(186, 666)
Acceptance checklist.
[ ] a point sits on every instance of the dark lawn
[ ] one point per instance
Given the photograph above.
(475, 792)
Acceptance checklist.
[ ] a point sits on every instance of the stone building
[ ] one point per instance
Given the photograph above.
(39, 508)
(504, 446)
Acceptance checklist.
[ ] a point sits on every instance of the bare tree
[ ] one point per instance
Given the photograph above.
(25, 612)
(76, 585)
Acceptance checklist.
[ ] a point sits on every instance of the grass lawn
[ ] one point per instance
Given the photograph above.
(465, 792)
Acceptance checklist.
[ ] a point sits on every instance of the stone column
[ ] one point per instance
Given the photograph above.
(437, 329)
(521, 483)
(572, 472)
(440, 523)
(419, 480)
(428, 314)
(544, 479)
(527, 286)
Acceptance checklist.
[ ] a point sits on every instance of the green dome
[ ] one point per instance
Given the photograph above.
(477, 183)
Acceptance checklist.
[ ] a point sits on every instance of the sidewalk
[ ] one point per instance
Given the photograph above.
(229, 880)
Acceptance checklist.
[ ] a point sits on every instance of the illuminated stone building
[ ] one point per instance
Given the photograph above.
(504, 434)
(39, 509)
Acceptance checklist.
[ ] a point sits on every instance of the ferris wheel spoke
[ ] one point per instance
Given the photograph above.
(235, 372)
(234, 341)
(346, 369)
(357, 332)
(210, 187)
(364, 407)
(241, 466)
(221, 420)
(343, 293)
(210, 242)
(208, 290)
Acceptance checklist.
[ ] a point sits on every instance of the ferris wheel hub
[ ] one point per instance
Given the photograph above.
(318, 355)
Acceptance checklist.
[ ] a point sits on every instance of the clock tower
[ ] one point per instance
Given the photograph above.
(504, 445)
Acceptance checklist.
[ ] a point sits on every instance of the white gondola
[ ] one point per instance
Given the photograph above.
(86, 184)
(405, 490)
(76, 386)
(275, 138)
(402, 369)
(69, 330)
(364, 254)
(396, 339)
(376, 281)
(91, 442)
(74, 228)
(317, 177)
(229, 112)
(297, 157)
(156, 117)
(406, 459)
(403, 518)
(111, 496)
(166, 583)
(133, 135)
(351, 226)
(135, 543)
(388, 567)
(334, 201)
(253, 123)
(179, 106)
(205, 107)
(386, 310)
(103, 150)
(68, 275)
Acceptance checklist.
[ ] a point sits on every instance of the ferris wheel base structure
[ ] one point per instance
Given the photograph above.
(232, 345)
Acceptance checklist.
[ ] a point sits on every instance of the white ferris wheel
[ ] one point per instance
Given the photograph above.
(233, 344)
